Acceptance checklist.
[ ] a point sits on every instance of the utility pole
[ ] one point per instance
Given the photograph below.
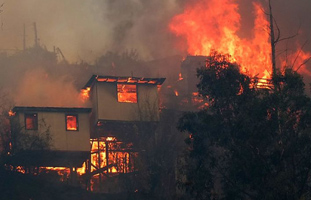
(36, 36)
(24, 38)
(273, 42)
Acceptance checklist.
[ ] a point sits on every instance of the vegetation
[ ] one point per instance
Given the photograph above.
(249, 143)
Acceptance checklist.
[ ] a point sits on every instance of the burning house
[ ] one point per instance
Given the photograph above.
(98, 142)
(120, 106)
(65, 132)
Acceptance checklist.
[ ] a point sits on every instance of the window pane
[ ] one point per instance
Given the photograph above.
(72, 123)
(127, 93)
(31, 122)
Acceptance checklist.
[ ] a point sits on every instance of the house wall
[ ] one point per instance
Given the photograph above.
(108, 107)
(62, 140)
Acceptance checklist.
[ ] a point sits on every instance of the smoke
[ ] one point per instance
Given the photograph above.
(292, 18)
(85, 30)
(38, 88)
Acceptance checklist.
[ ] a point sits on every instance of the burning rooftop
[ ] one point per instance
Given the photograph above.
(123, 79)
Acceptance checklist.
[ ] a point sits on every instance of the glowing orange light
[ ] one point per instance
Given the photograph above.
(263, 82)
(85, 94)
(176, 93)
(82, 169)
(71, 122)
(20, 169)
(111, 139)
(213, 25)
(209, 25)
(11, 113)
(127, 93)
(180, 77)
(118, 161)
(31, 121)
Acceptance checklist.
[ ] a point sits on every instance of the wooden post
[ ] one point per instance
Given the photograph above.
(24, 38)
(98, 147)
(107, 156)
(36, 36)
(273, 42)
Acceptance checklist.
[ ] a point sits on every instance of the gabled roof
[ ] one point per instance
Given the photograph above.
(51, 109)
(124, 79)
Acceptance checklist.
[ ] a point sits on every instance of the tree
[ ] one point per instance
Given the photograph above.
(249, 143)
(17, 143)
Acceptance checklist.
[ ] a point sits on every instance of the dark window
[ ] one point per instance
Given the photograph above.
(127, 93)
(72, 123)
(31, 121)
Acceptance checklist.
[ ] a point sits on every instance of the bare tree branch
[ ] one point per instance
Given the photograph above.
(300, 50)
(307, 60)
(278, 30)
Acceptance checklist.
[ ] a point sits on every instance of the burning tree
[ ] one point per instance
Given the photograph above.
(249, 143)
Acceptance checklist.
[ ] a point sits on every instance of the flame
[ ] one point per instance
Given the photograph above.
(127, 93)
(85, 94)
(20, 169)
(264, 82)
(82, 170)
(297, 61)
(111, 139)
(118, 158)
(176, 93)
(11, 113)
(180, 77)
(209, 25)
(212, 25)
(71, 123)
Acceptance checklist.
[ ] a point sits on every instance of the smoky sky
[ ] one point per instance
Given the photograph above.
(84, 30)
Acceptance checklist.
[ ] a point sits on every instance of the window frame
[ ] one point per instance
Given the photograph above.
(136, 92)
(77, 121)
(34, 117)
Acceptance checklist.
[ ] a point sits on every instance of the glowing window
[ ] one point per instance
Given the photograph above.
(72, 122)
(127, 93)
(31, 121)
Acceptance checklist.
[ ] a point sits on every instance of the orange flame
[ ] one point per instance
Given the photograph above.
(115, 157)
(212, 25)
(11, 113)
(85, 94)
(127, 93)
(180, 77)
(209, 25)
(297, 61)
(176, 93)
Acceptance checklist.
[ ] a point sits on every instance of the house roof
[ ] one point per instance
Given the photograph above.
(124, 79)
(50, 109)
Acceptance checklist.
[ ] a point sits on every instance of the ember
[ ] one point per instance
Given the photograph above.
(11, 113)
(180, 77)
(176, 93)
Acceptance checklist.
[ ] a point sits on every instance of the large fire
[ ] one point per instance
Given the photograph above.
(213, 25)
(117, 157)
